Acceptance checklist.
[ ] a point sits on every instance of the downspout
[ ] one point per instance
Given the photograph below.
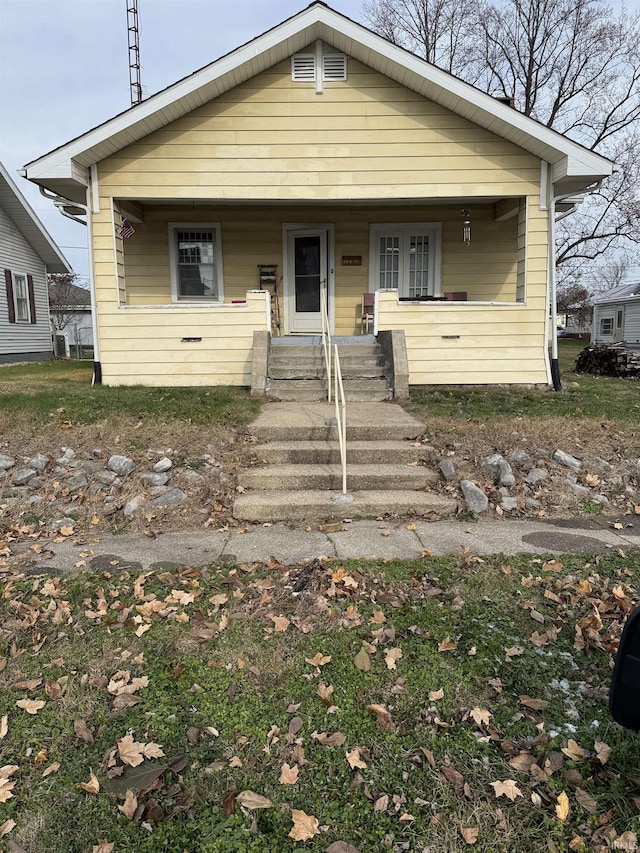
(60, 202)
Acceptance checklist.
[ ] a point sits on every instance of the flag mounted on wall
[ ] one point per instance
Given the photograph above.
(126, 229)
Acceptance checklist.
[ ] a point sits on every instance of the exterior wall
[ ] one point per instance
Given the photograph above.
(486, 269)
(368, 137)
(79, 329)
(23, 341)
(631, 321)
(473, 344)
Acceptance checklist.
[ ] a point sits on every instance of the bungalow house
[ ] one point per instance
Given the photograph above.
(616, 316)
(27, 254)
(319, 156)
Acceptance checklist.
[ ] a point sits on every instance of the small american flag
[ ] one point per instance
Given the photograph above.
(126, 229)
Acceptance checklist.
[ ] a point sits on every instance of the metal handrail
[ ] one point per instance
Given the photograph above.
(326, 335)
(341, 417)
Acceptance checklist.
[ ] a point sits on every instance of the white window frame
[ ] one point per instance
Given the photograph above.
(15, 276)
(217, 260)
(610, 321)
(404, 230)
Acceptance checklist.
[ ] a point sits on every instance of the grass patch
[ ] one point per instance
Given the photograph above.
(599, 397)
(61, 391)
(228, 694)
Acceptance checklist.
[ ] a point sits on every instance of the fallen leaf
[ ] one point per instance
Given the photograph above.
(572, 750)
(31, 706)
(586, 801)
(250, 800)
(507, 788)
(383, 717)
(130, 805)
(304, 827)
(354, 759)
(92, 786)
(281, 623)
(335, 739)
(318, 659)
(341, 847)
(378, 617)
(6, 827)
(392, 656)
(103, 846)
(533, 704)
(382, 803)
(434, 695)
(4, 726)
(405, 817)
(453, 778)
(83, 732)
(28, 684)
(447, 645)
(562, 806)
(52, 768)
(469, 834)
(289, 775)
(481, 716)
(522, 761)
(133, 753)
(362, 660)
(7, 784)
(513, 651)
(603, 751)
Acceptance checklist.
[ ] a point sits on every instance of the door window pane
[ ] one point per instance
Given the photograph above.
(418, 266)
(307, 273)
(389, 261)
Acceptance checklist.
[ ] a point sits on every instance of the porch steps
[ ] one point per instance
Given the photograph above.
(297, 369)
(387, 472)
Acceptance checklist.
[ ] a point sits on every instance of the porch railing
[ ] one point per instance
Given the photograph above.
(326, 335)
(341, 418)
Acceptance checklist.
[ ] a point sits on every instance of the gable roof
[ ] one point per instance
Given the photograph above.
(24, 218)
(63, 297)
(63, 170)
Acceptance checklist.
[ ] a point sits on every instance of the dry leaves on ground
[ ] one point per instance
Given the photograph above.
(304, 827)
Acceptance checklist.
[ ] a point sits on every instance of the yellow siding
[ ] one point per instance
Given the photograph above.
(368, 137)
(143, 346)
(250, 236)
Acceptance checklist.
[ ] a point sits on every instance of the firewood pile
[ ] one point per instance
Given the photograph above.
(609, 360)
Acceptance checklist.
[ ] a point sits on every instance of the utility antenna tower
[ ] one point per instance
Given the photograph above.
(133, 33)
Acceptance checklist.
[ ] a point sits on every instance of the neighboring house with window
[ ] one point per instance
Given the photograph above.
(27, 254)
(616, 316)
(321, 156)
(70, 309)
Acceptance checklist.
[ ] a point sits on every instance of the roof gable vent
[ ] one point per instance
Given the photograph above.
(334, 66)
(303, 67)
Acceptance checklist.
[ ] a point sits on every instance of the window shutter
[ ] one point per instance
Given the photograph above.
(11, 308)
(303, 68)
(32, 298)
(334, 66)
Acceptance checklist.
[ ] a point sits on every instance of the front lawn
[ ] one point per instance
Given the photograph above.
(437, 704)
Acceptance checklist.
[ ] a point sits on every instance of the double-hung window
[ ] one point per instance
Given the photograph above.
(196, 262)
(405, 257)
(21, 298)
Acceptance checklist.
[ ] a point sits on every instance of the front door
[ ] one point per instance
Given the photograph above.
(618, 331)
(308, 270)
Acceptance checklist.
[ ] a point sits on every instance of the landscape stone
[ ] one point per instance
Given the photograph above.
(577, 489)
(170, 498)
(16, 492)
(77, 482)
(73, 511)
(509, 504)
(106, 477)
(68, 455)
(474, 497)
(89, 466)
(447, 468)
(121, 465)
(519, 458)
(532, 503)
(6, 462)
(192, 477)
(40, 462)
(600, 499)
(535, 475)
(134, 504)
(162, 465)
(505, 473)
(155, 479)
(36, 482)
(22, 476)
(158, 490)
(67, 521)
(567, 460)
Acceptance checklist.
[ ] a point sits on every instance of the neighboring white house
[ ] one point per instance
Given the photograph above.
(616, 316)
(70, 308)
(27, 254)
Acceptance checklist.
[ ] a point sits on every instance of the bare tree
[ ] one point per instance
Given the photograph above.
(66, 297)
(573, 65)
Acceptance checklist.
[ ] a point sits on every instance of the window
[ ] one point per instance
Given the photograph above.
(21, 298)
(619, 318)
(406, 257)
(606, 326)
(196, 262)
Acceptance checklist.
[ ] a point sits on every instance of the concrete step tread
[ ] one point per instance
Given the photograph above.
(382, 469)
(313, 503)
(373, 445)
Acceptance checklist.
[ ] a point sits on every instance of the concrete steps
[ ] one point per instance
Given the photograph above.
(355, 390)
(303, 476)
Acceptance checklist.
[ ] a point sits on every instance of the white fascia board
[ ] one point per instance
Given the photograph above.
(319, 21)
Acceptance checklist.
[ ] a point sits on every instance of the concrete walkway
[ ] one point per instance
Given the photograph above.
(360, 539)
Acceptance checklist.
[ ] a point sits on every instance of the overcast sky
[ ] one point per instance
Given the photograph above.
(64, 68)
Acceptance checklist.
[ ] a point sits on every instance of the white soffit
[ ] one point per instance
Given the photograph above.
(318, 21)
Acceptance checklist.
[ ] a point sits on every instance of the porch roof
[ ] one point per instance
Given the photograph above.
(64, 170)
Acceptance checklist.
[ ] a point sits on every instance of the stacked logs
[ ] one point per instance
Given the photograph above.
(609, 360)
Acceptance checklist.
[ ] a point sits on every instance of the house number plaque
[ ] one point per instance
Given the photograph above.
(352, 260)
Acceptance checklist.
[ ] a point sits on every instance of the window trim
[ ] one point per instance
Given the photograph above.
(609, 320)
(388, 229)
(22, 275)
(217, 260)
